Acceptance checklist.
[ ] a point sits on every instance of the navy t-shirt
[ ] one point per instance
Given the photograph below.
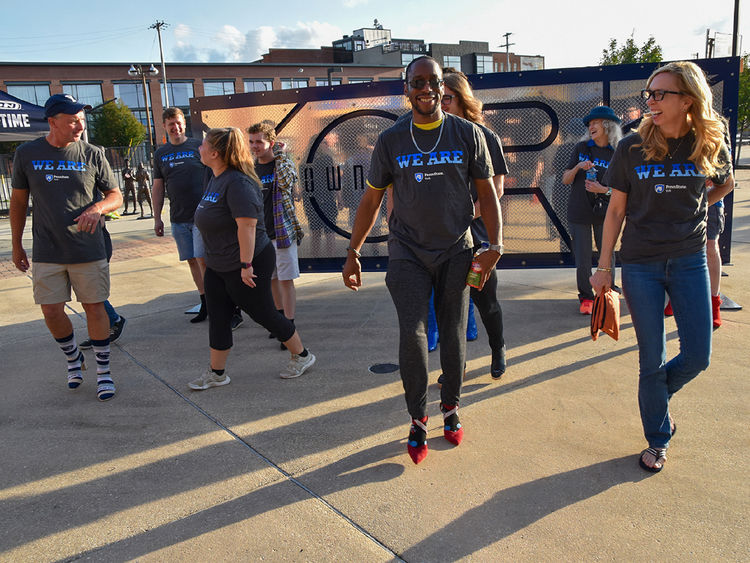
(499, 166)
(231, 195)
(266, 174)
(666, 207)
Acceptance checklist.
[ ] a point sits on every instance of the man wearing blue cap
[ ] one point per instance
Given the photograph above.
(63, 174)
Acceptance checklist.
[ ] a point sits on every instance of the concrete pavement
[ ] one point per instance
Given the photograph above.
(315, 469)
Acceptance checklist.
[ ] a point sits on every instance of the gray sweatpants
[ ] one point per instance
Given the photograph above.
(410, 284)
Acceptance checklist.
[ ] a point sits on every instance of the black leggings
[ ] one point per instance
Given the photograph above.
(225, 290)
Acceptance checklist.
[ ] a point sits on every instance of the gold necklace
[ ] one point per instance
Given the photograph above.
(671, 154)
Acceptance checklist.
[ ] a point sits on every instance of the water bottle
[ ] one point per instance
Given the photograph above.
(474, 279)
(591, 174)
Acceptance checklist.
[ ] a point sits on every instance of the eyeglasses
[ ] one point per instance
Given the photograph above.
(657, 95)
(447, 99)
(419, 83)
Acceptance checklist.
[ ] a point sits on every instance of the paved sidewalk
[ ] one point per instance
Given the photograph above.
(315, 469)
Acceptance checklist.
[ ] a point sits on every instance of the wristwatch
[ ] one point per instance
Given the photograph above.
(499, 248)
(609, 191)
(246, 265)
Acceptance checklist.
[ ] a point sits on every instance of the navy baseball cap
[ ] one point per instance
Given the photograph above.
(63, 103)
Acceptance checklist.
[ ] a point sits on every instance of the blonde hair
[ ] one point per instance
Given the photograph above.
(459, 83)
(232, 147)
(709, 126)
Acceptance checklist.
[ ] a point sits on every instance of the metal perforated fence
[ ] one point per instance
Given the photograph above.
(330, 133)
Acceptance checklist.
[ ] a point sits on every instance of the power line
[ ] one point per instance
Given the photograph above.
(106, 33)
(58, 46)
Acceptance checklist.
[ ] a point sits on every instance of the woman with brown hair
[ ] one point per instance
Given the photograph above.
(239, 256)
(459, 100)
(658, 176)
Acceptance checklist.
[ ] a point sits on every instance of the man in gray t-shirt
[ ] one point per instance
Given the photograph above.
(65, 175)
(178, 171)
(429, 159)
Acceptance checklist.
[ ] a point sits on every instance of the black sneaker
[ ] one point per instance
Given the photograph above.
(237, 321)
(86, 344)
(116, 330)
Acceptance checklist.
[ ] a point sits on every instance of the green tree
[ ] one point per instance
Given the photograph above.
(630, 52)
(743, 103)
(116, 126)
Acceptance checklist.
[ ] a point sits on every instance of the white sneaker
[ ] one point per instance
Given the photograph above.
(209, 379)
(297, 365)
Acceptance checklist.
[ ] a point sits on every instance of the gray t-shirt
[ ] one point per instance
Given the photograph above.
(432, 204)
(231, 195)
(63, 182)
(666, 208)
(184, 177)
(499, 166)
(581, 202)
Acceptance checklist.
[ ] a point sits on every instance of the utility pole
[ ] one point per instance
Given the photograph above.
(736, 29)
(137, 71)
(507, 49)
(157, 26)
(710, 44)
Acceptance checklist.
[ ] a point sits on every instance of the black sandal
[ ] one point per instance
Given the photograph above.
(661, 456)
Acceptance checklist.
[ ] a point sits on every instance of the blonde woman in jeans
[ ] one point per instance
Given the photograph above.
(658, 176)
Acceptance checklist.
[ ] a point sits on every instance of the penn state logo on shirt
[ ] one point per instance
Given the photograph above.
(419, 176)
(49, 177)
(659, 188)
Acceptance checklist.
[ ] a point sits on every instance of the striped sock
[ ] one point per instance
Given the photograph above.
(75, 359)
(105, 385)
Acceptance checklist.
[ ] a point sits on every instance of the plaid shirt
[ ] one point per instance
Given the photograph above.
(285, 224)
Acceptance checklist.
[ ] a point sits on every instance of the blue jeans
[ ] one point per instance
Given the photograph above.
(111, 313)
(685, 280)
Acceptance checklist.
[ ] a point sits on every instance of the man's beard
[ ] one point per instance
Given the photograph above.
(435, 106)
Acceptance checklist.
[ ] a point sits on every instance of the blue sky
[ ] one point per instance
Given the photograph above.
(567, 34)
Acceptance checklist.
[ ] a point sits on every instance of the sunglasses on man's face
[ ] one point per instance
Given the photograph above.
(419, 83)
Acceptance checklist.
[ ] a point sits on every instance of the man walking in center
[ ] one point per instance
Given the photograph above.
(278, 175)
(178, 169)
(63, 174)
(429, 159)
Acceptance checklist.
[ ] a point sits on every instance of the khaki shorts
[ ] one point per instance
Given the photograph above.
(287, 264)
(52, 282)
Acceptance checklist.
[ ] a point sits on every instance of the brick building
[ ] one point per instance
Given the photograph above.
(366, 55)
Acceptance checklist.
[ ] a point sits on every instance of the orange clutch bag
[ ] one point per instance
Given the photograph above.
(605, 316)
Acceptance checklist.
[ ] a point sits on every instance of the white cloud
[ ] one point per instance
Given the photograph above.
(182, 32)
(257, 42)
(307, 35)
(354, 3)
(232, 45)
